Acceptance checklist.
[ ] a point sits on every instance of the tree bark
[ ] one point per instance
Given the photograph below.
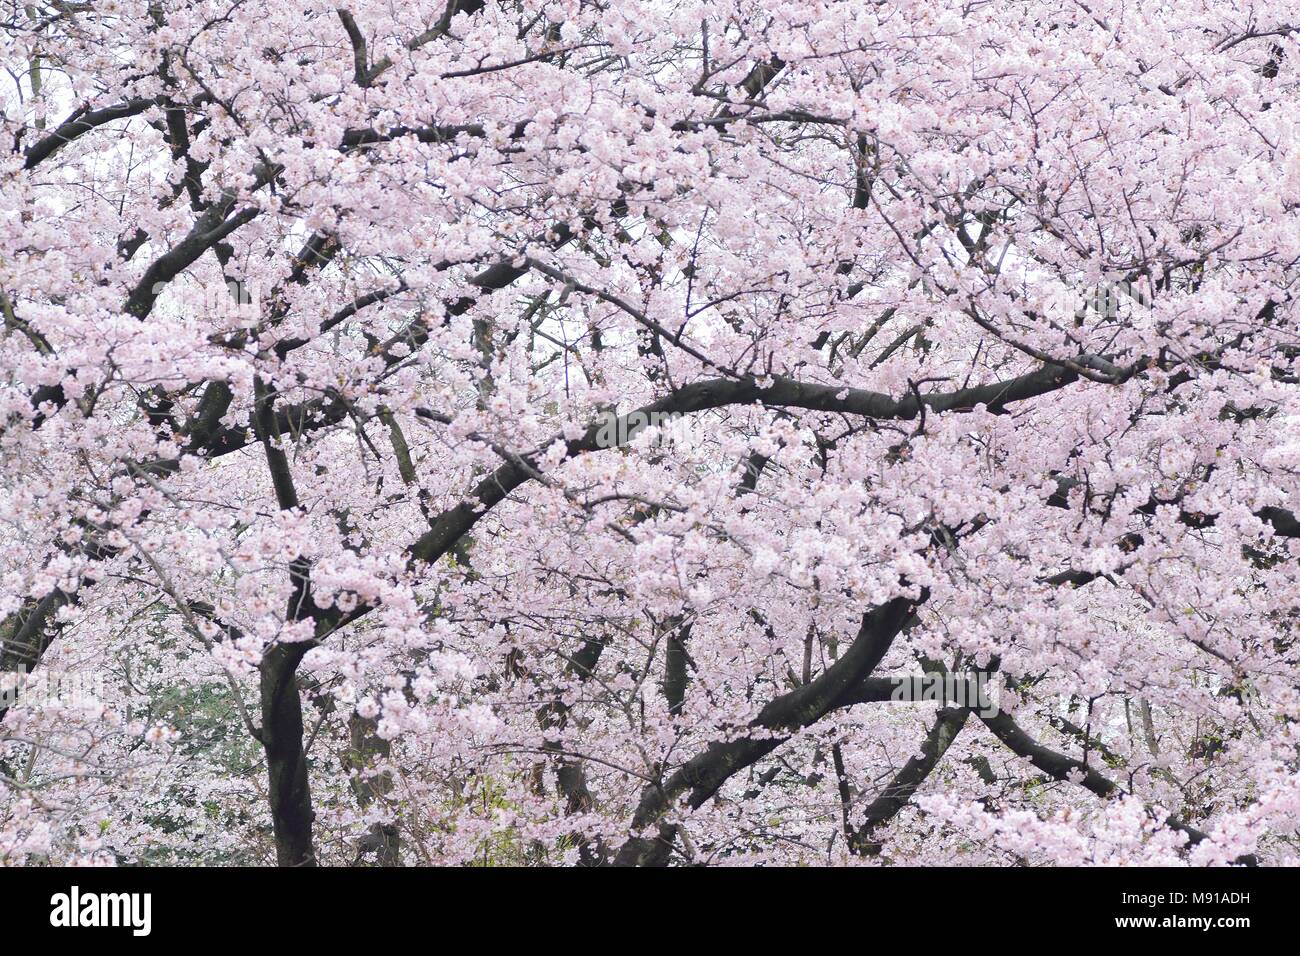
(286, 760)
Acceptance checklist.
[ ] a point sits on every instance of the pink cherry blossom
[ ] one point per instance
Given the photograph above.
(552, 433)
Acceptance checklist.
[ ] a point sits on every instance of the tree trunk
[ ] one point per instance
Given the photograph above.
(286, 761)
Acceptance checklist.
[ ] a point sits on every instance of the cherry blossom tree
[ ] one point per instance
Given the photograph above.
(560, 432)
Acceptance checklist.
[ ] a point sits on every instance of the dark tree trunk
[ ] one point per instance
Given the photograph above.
(675, 661)
(286, 761)
(365, 746)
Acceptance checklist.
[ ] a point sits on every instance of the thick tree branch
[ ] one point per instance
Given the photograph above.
(701, 776)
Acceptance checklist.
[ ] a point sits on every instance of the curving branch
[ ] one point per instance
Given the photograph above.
(1067, 769)
(81, 122)
(704, 774)
(896, 794)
